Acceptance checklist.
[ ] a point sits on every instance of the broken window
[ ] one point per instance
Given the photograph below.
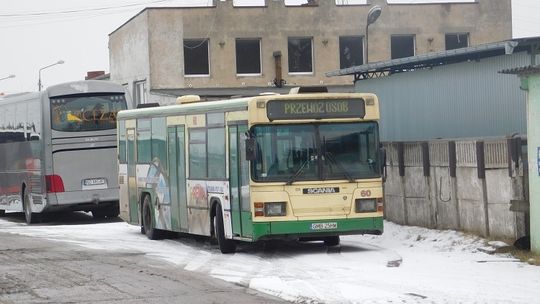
(351, 51)
(196, 57)
(456, 41)
(248, 56)
(402, 46)
(300, 55)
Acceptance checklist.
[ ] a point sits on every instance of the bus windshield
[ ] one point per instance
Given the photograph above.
(88, 112)
(307, 152)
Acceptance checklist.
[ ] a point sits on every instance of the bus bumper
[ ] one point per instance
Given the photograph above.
(318, 228)
(83, 200)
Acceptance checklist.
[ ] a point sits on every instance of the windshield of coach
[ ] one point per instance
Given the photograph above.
(86, 112)
(316, 152)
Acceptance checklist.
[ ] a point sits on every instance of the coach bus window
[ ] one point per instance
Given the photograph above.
(86, 112)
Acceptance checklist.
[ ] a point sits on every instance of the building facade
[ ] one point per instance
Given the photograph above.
(225, 50)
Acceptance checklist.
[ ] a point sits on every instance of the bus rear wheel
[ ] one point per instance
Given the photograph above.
(225, 245)
(148, 222)
(29, 216)
(331, 240)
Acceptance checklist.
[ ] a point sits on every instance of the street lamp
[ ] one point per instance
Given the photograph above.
(43, 68)
(7, 77)
(372, 16)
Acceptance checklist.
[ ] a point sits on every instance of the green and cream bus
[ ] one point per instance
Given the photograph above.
(258, 168)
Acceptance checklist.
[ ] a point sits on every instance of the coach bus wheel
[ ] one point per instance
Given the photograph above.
(109, 212)
(148, 222)
(331, 240)
(225, 245)
(29, 216)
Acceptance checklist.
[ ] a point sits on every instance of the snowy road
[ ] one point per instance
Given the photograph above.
(404, 265)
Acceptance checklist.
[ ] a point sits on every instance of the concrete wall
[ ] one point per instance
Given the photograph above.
(160, 33)
(437, 190)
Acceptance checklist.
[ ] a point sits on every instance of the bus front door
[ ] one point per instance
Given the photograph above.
(239, 182)
(177, 178)
(132, 178)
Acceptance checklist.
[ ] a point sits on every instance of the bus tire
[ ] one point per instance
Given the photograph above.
(225, 245)
(148, 221)
(2, 213)
(29, 216)
(331, 240)
(108, 212)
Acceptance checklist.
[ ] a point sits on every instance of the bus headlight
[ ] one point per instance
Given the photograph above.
(275, 209)
(365, 205)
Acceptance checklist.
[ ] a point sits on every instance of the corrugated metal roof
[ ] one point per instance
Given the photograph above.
(439, 58)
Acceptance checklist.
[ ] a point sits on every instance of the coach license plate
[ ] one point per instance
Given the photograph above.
(94, 182)
(323, 226)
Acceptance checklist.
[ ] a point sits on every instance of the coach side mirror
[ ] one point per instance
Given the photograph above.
(251, 149)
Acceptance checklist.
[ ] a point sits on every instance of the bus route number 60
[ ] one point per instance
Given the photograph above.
(365, 193)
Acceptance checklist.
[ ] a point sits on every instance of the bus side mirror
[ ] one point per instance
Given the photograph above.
(251, 149)
(382, 153)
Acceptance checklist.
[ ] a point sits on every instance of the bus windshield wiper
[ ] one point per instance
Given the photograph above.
(340, 166)
(298, 172)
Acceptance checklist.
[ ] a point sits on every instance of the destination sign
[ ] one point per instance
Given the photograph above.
(315, 109)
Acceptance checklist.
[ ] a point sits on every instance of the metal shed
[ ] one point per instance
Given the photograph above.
(450, 94)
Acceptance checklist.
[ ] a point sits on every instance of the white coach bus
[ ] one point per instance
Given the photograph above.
(58, 150)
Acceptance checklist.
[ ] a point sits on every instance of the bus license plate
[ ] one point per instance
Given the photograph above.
(94, 181)
(323, 226)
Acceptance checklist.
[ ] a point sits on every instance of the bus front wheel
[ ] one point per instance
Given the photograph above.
(148, 222)
(225, 245)
(29, 216)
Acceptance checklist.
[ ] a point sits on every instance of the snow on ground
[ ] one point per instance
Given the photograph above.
(404, 265)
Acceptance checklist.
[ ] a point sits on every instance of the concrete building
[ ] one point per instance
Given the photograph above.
(224, 50)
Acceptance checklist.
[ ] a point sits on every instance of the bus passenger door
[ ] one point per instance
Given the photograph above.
(177, 178)
(132, 178)
(239, 182)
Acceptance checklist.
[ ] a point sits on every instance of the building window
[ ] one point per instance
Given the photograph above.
(300, 55)
(248, 56)
(456, 41)
(351, 51)
(196, 57)
(402, 46)
(140, 92)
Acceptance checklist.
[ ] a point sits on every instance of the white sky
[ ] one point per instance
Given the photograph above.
(80, 38)
(434, 266)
